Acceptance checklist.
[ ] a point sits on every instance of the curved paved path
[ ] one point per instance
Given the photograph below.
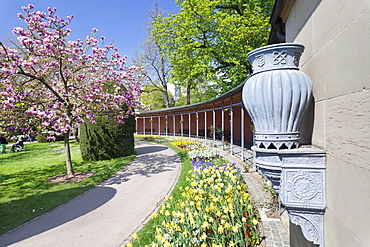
(108, 214)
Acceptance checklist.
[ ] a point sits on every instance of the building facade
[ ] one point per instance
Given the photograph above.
(336, 36)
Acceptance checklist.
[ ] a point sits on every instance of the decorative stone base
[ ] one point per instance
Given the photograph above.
(311, 223)
(299, 176)
(269, 165)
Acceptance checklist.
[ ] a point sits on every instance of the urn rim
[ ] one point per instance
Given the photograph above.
(282, 56)
(276, 46)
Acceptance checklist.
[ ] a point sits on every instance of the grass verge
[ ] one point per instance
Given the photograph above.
(24, 194)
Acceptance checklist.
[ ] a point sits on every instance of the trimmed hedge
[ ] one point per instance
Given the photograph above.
(107, 139)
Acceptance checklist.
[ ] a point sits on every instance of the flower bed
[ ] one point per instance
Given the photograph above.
(148, 137)
(185, 144)
(214, 210)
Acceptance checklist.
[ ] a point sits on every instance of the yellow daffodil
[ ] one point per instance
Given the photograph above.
(205, 224)
(216, 245)
(255, 221)
(215, 199)
(227, 225)
(154, 215)
(167, 244)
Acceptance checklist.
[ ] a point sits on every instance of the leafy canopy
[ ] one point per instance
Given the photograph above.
(208, 40)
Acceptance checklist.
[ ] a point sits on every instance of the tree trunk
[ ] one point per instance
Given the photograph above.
(67, 150)
(167, 99)
(188, 94)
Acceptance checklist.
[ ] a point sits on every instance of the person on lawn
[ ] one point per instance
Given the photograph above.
(3, 143)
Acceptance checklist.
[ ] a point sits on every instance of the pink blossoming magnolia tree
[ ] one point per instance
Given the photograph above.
(55, 84)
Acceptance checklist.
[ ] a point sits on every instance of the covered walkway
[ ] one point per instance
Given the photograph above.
(222, 121)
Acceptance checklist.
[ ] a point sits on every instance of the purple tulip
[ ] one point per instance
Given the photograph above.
(12, 128)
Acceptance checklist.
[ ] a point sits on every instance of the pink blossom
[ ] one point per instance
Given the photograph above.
(17, 30)
(51, 138)
(74, 71)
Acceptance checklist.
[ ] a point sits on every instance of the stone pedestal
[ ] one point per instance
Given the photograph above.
(298, 175)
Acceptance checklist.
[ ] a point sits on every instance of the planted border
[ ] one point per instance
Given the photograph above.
(214, 209)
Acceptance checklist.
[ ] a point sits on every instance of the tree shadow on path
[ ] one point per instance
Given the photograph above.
(60, 215)
(151, 159)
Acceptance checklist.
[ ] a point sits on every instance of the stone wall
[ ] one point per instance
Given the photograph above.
(336, 36)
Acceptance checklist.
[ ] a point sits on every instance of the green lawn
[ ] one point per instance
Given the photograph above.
(24, 194)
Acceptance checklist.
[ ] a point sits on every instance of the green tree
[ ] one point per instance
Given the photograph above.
(204, 91)
(152, 98)
(208, 40)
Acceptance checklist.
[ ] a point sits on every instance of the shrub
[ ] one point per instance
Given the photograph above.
(107, 139)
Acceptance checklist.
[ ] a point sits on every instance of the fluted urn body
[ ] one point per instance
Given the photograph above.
(277, 95)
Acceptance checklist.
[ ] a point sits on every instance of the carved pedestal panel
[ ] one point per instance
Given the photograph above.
(300, 179)
(311, 223)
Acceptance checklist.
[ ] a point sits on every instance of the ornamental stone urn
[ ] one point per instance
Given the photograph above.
(277, 95)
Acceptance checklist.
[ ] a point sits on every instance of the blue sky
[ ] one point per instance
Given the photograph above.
(122, 20)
